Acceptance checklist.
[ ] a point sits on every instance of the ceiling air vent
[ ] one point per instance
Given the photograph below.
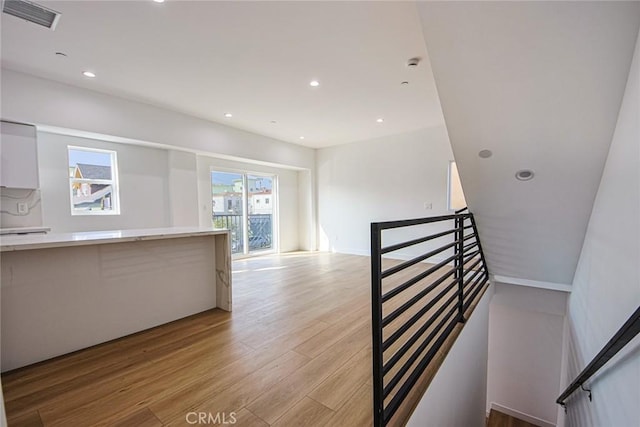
(31, 12)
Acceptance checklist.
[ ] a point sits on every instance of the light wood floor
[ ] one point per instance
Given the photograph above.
(296, 351)
(499, 419)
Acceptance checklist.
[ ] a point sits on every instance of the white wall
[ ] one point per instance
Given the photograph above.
(183, 188)
(389, 178)
(175, 140)
(143, 179)
(159, 188)
(456, 396)
(607, 280)
(9, 199)
(525, 350)
(287, 208)
(306, 211)
(33, 100)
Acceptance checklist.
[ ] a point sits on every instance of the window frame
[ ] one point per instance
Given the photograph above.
(245, 206)
(114, 182)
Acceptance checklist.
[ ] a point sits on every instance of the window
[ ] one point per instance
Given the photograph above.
(93, 181)
(455, 195)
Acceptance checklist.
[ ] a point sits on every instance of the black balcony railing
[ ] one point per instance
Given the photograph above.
(260, 231)
(414, 313)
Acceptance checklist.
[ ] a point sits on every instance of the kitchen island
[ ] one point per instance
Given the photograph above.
(62, 292)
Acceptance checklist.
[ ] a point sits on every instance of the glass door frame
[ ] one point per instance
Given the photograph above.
(275, 228)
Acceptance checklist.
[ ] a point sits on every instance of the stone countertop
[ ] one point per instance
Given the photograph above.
(57, 240)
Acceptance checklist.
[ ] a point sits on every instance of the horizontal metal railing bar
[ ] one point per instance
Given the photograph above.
(386, 225)
(411, 341)
(469, 246)
(471, 281)
(626, 333)
(468, 236)
(467, 280)
(473, 297)
(471, 267)
(475, 293)
(397, 246)
(415, 355)
(467, 296)
(404, 307)
(468, 260)
(398, 289)
(405, 327)
(471, 284)
(415, 375)
(393, 270)
(472, 277)
(468, 257)
(467, 227)
(461, 210)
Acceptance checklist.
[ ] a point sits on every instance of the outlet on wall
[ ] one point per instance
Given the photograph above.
(23, 208)
(428, 206)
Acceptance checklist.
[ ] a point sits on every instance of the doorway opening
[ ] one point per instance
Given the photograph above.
(245, 203)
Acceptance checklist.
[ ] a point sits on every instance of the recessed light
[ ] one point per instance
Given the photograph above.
(273, 122)
(380, 120)
(228, 115)
(314, 83)
(524, 175)
(485, 154)
(413, 62)
(302, 137)
(159, 1)
(88, 74)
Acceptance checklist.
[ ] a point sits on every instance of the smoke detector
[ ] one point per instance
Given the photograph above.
(32, 12)
(413, 62)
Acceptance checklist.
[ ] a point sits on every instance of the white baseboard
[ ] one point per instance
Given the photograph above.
(350, 251)
(524, 417)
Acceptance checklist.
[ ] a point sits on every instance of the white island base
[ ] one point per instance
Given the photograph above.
(64, 292)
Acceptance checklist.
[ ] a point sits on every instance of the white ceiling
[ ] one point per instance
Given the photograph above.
(253, 59)
(540, 84)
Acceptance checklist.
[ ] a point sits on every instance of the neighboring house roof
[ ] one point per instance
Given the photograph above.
(94, 171)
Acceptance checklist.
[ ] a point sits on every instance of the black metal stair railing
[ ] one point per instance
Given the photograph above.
(410, 323)
(627, 332)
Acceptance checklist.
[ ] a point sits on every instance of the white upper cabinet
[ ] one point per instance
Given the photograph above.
(19, 156)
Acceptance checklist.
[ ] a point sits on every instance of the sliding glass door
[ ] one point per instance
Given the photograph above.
(245, 204)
